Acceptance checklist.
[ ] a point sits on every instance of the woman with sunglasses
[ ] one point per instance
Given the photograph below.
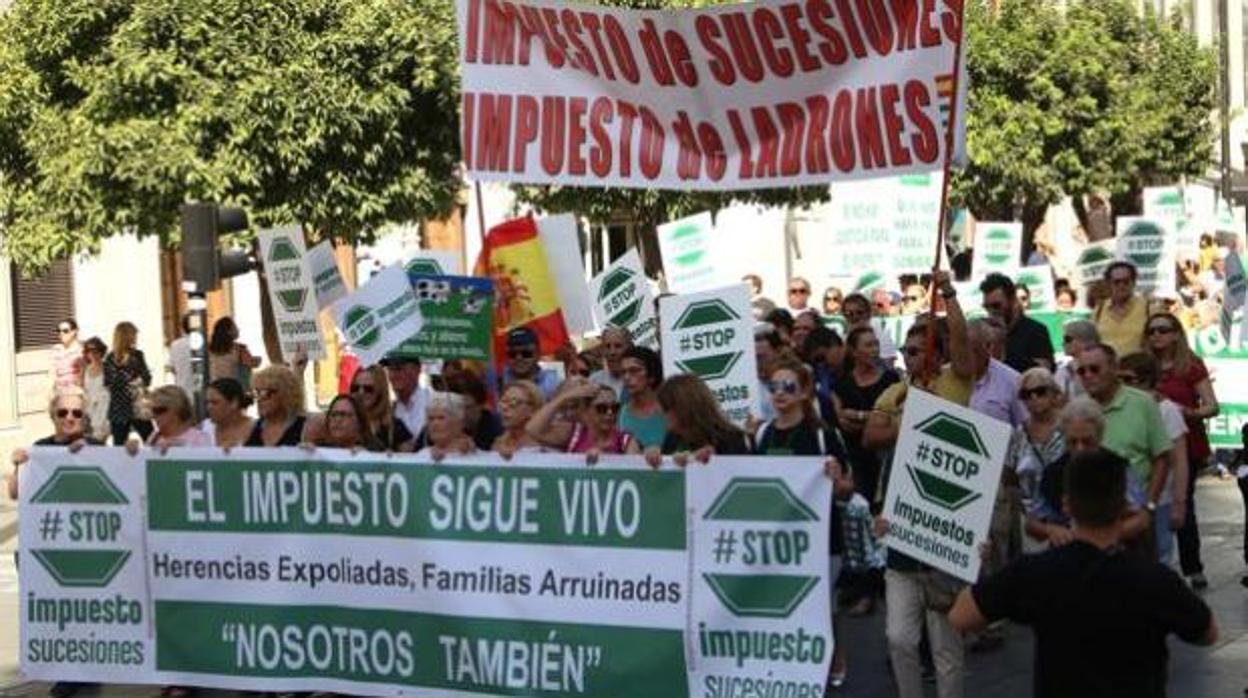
(832, 298)
(279, 401)
(1035, 446)
(94, 389)
(346, 427)
(516, 405)
(595, 431)
(227, 404)
(172, 415)
(1183, 378)
(371, 389)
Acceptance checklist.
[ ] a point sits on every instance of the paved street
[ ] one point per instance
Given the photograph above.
(1220, 671)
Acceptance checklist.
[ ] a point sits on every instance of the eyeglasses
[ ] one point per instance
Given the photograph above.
(605, 408)
(264, 393)
(63, 413)
(158, 410)
(788, 387)
(521, 353)
(1028, 393)
(799, 292)
(1088, 370)
(1159, 329)
(366, 389)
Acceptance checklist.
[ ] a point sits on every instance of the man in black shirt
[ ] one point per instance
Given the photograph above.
(1027, 343)
(1100, 617)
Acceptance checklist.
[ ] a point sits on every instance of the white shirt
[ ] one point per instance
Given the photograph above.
(1176, 426)
(412, 412)
(180, 364)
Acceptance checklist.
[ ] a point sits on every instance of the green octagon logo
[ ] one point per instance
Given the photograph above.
(428, 267)
(283, 250)
(1145, 240)
(960, 435)
(1094, 255)
(361, 326)
(997, 246)
(292, 299)
(699, 320)
(619, 298)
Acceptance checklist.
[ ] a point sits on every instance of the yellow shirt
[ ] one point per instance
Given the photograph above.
(947, 385)
(1126, 333)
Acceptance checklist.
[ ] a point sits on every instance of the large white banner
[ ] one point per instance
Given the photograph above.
(745, 96)
(711, 334)
(291, 291)
(943, 483)
(280, 570)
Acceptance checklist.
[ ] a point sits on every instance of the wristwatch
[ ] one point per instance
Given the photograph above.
(948, 292)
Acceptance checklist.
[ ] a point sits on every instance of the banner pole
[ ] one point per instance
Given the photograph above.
(930, 368)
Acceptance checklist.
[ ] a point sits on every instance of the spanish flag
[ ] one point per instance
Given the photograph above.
(526, 294)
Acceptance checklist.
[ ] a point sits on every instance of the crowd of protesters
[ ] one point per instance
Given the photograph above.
(1107, 442)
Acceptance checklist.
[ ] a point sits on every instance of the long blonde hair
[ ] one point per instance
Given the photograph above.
(1183, 356)
(125, 335)
(699, 414)
(380, 416)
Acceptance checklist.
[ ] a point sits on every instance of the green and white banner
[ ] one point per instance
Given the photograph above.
(380, 315)
(291, 292)
(1226, 357)
(998, 248)
(688, 250)
(886, 223)
(711, 334)
(945, 474)
(326, 278)
(282, 570)
(622, 299)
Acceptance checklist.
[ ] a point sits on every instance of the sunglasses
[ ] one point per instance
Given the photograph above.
(63, 413)
(366, 389)
(799, 291)
(605, 408)
(158, 410)
(1159, 329)
(788, 387)
(1028, 393)
(1089, 370)
(521, 353)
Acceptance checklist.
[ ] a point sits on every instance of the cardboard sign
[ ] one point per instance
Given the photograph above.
(380, 315)
(563, 255)
(1148, 243)
(435, 263)
(459, 315)
(622, 299)
(943, 484)
(1039, 282)
(326, 278)
(711, 334)
(998, 248)
(688, 254)
(291, 292)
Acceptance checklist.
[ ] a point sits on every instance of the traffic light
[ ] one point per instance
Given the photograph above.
(202, 263)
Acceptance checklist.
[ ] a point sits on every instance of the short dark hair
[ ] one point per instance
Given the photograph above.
(1143, 365)
(1096, 486)
(232, 391)
(770, 336)
(97, 345)
(1120, 264)
(942, 334)
(780, 318)
(822, 338)
(73, 324)
(650, 359)
(1107, 349)
(997, 282)
(856, 298)
(469, 385)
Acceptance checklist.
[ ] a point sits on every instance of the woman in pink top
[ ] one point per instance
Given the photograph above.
(594, 433)
(171, 412)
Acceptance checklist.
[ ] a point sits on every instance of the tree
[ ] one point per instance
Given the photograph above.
(1095, 97)
(341, 116)
(649, 207)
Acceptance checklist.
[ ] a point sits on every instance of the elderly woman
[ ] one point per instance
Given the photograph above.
(445, 427)
(279, 401)
(69, 428)
(1037, 443)
(227, 404)
(518, 403)
(172, 415)
(346, 426)
(1077, 335)
(596, 430)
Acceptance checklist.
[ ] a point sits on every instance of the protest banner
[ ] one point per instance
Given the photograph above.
(291, 292)
(622, 299)
(688, 250)
(887, 224)
(458, 313)
(380, 315)
(326, 278)
(562, 246)
(1226, 357)
(514, 256)
(773, 94)
(1039, 282)
(943, 484)
(284, 570)
(711, 334)
(435, 263)
(1148, 243)
(998, 249)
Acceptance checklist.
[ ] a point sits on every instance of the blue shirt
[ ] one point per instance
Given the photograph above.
(649, 431)
(547, 381)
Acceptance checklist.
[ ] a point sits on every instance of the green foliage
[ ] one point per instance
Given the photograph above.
(340, 115)
(648, 206)
(1096, 97)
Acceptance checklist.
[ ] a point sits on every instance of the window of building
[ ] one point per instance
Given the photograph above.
(39, 305)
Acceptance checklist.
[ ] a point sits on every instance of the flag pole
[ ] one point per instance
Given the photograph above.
(930, 368)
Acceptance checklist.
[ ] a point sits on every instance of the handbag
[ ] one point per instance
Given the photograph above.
(138, 398)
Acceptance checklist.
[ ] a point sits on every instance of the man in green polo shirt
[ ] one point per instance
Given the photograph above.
(1133, 426)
